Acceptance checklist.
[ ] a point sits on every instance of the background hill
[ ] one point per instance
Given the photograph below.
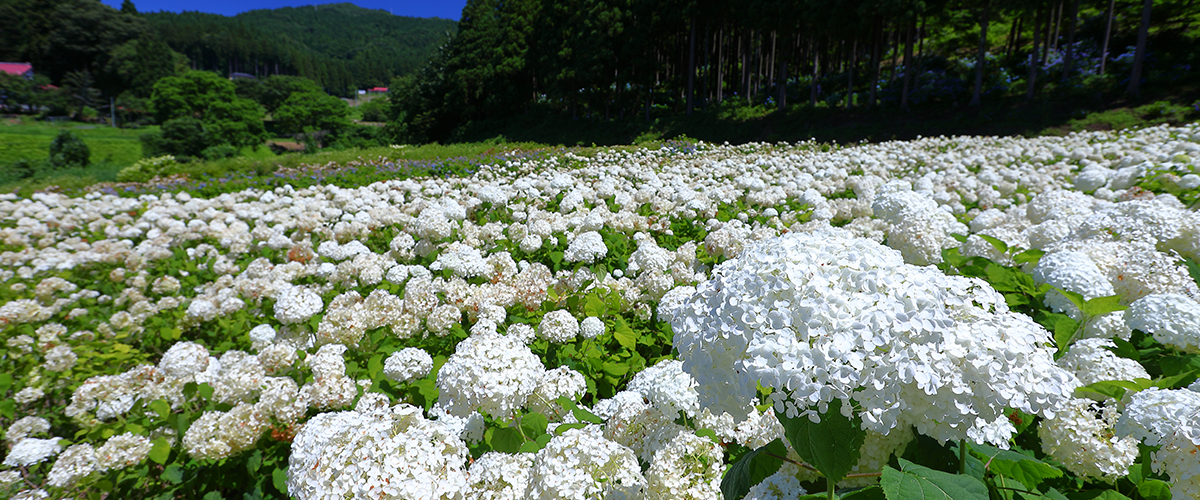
(340, 46)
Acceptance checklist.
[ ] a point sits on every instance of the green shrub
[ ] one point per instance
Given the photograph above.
(25, 168)
(181, 136)
(145, 169)
(67, 150)
(219, 152)
(374, 110)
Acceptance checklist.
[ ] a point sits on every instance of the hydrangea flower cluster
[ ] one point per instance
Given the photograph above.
(816, 313)
(826, 315)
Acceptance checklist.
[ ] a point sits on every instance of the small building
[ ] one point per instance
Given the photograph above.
(24, 70)
(377, 90)
(241, 76)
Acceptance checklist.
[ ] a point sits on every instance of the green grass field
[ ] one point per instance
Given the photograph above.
(30, 139)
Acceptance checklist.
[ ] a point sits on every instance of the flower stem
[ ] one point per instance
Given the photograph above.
(962, 456)
(832, 486)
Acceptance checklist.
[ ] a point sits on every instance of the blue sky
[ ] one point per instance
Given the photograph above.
(446, 9)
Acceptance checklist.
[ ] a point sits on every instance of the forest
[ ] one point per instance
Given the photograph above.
(84, 44)
(606, 60)
(340, 46)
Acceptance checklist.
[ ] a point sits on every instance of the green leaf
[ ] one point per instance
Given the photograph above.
(832, 445)
(616, 370)
(1031, 256)
(205, 390)
(161, 407)
(914, 482)
(1154, 489)
(254, 461)
(506, 439)
(753, 468)
(1100, 495)
(280, 479)
(213, 495)
(997, 243)
(160, 450)
(558, 431)
(594, 306)
(6, 382)
(1115, 389)
(1125, 349)
(173, 474)
(534, 424)
(531, 447)
(868, 493)
(1193, 269)
(1103, 305)
(1024, 468)
(1075, 298)
(624, 334)
(8, 408)
(1003, 279)
(962, 238)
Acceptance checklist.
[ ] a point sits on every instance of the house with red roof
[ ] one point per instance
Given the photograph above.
(19, 69)
(377, 90)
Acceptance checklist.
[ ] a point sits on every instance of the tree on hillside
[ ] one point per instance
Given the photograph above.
(278, 88)
(313, 111)
(189, 94)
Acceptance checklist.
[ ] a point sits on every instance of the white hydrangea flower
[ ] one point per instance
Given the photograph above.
(60, 359)
(587, 247)
(553, 384)
(1172, 319)
(281, 399)
(462, 260)
(262, 333)
(74, 464)
(442, 319)
(668, 387)
(782, 485)
(26, 427)
(121, 451)
(295, 304)
(907, 344)
(216, 434)
(408, 364)
(689, 467)
(581, 464)
(184, 360)
(1073, 272)
(492, 373)
(1080, 435)
(30, 451)
(395, 453)
(591, 327)
(1169, 419)
(500, 476)
(559, 327)
(1091, 362)
(522, 332)
(28, 395)
(277, 359)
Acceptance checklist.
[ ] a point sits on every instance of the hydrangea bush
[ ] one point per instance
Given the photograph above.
(991, 317)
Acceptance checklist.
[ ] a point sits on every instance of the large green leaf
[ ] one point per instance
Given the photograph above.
(832, 445)
(914, 482)
(1154, 489)
(753, 468)
(1103, 305)
(1024, 468)
(624, 334)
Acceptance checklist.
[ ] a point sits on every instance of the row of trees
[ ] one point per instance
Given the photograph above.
(606, 59)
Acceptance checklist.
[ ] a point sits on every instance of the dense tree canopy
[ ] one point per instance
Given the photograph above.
(607, 59)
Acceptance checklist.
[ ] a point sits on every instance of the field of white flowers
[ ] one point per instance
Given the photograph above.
(967, 318)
